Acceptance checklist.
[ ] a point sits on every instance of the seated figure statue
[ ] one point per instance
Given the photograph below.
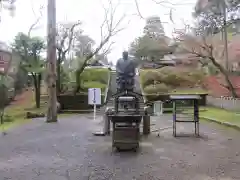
(125, 69)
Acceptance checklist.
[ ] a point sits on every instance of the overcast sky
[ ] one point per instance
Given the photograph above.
(90, 12)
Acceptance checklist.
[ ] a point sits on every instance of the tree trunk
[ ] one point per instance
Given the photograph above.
(37, 90)
(3, 102)
(59, 73)
(226, 76)
(78, 73)
(230, 86)
(37, 97)
(39, 79)
(51, 59)
(78, 81)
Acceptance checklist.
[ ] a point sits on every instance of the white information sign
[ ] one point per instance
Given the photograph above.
(94, 98)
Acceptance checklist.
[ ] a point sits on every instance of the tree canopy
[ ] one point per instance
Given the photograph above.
(153, 44)
(30, 49)
(210, 15)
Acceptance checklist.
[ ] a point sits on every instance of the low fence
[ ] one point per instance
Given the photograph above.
(228, 103)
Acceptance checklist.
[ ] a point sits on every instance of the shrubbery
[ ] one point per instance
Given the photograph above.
(97, 75)
(148, 77)
(93, 77)
(90, 78)
(158, 88)
(93, 84)
(168, 79)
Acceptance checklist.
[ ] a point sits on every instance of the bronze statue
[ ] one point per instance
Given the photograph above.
(125, 69)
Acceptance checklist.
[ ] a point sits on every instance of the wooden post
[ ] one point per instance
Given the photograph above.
(196, 116)
(51, 62)
(174, 117)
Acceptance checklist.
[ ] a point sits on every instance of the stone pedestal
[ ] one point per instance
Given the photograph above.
(146, 120)
(106, 129)
(107, 121)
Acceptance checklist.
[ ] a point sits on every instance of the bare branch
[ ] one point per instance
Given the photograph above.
(108, 22)
(138, 10)
(172, 4)
(163, 3)
(37, 20)
(71, 36)
(111, 30)
(66, 35)
(107, 50)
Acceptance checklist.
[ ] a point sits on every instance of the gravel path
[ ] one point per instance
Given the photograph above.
(68, 151)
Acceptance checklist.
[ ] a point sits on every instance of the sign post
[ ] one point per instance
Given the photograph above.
(94, 98)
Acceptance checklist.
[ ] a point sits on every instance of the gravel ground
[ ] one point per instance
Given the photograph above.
(68, 151)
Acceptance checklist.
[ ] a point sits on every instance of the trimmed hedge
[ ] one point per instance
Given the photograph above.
(100, 75)
(94, 84)
(168, 79)
(75, 102)
(90, 78)
(158, 84)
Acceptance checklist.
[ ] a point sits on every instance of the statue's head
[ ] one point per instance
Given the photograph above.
(125, 55)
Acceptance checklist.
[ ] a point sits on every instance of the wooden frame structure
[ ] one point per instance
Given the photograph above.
(194, 119)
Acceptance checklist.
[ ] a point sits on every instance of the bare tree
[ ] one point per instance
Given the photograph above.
(66, 32)
(208, 50)
(111, 29)
(83, 45)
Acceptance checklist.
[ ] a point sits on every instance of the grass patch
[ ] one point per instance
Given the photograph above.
(219, 115)
(15, 114)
